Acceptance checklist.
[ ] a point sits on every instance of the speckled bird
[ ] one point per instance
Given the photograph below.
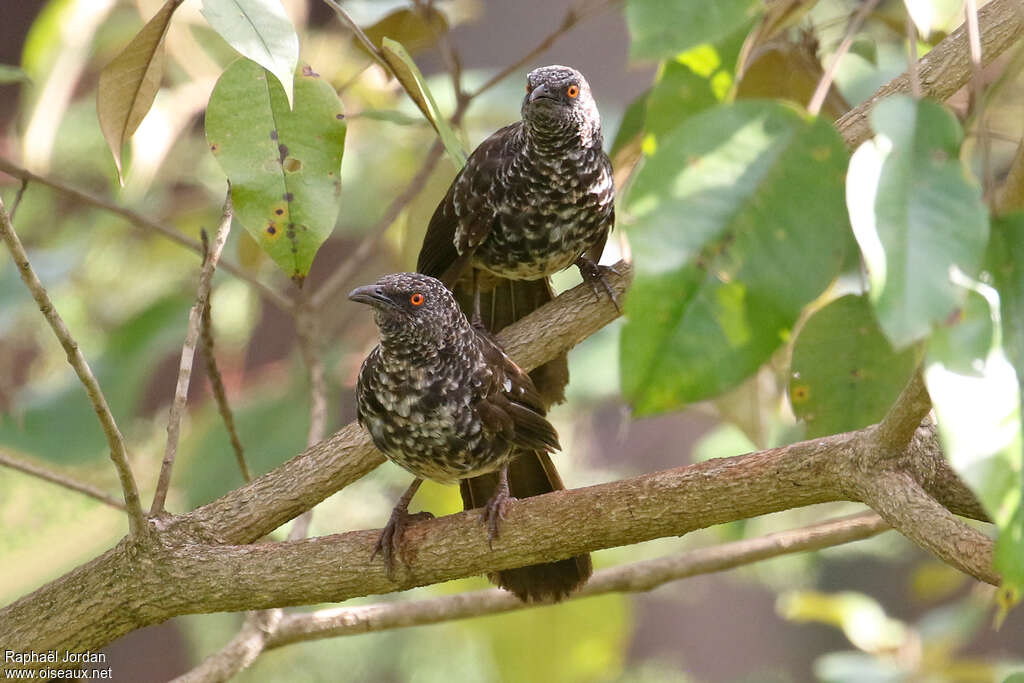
(442, 400)
(534, 198)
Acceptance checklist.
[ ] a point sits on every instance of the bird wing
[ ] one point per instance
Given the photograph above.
(464, 217)
(512, 405)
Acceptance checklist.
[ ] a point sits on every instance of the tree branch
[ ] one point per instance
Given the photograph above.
(900, 424)
(118, 451)
(829, 74)
(143, 223)
(188, 352)
(631, 578)
(46, 474)
(945, 69)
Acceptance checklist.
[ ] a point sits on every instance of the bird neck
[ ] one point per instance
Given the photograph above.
(557, 136)
(423, 343)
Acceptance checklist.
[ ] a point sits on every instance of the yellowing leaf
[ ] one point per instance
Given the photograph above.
(129, 83)
(408, 74)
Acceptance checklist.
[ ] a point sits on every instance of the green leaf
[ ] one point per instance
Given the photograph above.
(1005, 260)
(408, 74)
(284, 165)
(261, 31)
(916, 214)
(845, 374)
(416, 29)
(129, 83)
(730, 206)
(664, 28)
(963, 341)
(12, 74)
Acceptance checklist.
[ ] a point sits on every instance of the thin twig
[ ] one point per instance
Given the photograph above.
(308, 330)
(357, 258)
(912, 57)
(347, 19)
(573, 16)
(220, 394)
(144, 223)
(118, 450)
(631, 578)
(978, 96)
(28, 467)
(188, 351)
(820, 92)
(17, 198)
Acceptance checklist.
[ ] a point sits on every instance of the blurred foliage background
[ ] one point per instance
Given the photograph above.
(874, 610)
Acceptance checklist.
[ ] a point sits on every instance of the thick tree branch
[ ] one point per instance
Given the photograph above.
(143, 223)
(118, 450)
(945, 69)
(46, 474)
(631, 578)
(188, 352)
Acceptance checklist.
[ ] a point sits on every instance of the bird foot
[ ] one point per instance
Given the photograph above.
(390, 539)
(494, 513)
(596, 276)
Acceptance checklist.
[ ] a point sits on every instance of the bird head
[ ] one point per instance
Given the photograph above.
(411, 307)
(558, 101)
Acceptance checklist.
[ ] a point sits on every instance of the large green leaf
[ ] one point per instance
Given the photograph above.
(408, 74)
(916, 214)
(284, 165)
(664, 28)
(129, 83)
(845, 372)
(736, 222)
(261, 31)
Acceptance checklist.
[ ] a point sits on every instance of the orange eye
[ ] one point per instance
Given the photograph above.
(573, 91)
(417, 299)
(528, 88)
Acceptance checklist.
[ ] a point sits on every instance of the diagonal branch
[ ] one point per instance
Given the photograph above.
(945, 69)
(143, 223)
(118, 450)
(46, 474)
(900, 424)
(188, 352)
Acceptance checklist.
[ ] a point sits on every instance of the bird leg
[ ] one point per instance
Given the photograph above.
(476, 320)
(595, 276)
(390, 539)
(497, 506)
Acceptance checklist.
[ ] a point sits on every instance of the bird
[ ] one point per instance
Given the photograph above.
(441, 399)
(534, 198)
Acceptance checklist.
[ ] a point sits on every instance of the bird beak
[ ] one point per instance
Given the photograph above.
(539, 92)
(370, 294)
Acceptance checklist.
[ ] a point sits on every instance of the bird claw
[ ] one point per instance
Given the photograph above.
(390, 539)
(494, 513)
(596, 276)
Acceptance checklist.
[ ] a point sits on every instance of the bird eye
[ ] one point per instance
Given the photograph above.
(572, 91)
(417, 299)
(529, 88)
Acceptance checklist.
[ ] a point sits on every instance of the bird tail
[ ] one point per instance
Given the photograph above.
(530, 474)
(502, 302)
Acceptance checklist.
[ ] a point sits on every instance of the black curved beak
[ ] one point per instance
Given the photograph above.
(370, 294)
(540, 92)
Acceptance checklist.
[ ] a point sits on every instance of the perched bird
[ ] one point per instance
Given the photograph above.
(534, 198)
(441, 399)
